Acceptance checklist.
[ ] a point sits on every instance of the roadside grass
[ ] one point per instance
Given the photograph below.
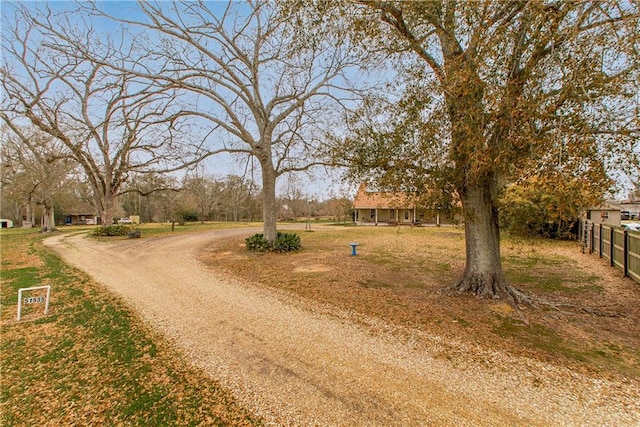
(400, 272)
(91, 360)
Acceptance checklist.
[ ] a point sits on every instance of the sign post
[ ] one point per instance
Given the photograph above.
(34, 299)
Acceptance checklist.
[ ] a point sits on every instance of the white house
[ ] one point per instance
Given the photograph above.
(608, 213)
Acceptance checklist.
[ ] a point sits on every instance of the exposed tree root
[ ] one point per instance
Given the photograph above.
(601, 313)
(490, 287)
(587, 310)
(504, 291)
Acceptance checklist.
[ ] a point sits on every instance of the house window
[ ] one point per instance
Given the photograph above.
(406, 215)
(604, 214)
(373, 213)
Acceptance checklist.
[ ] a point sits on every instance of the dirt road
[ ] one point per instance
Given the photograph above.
(295, 363)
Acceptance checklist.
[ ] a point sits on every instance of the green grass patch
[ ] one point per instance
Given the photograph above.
(91, 361)
(540, 337)
(549, 274)
(18, 278)
(536, 336)
(462, 322)
(380, 258)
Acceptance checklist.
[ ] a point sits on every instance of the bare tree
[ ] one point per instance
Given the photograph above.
(17, 186)
(339, 208)
(113, 124)
(294, 198)
(205, 193)
(246, 82)
(35, 169)
(236, 196)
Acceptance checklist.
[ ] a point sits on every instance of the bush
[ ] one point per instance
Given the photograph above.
(257, 242)
(285, 242)
(532, 212)
(188, 215)
(112, 230)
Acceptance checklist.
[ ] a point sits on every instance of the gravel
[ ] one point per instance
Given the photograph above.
(295, 362)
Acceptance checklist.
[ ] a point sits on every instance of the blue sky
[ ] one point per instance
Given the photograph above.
(317, 186)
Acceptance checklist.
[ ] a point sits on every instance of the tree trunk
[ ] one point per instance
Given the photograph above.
(106, 211)
(48, 218)
(269, 213)
(17, 212)
(483, 275)
(29, 212)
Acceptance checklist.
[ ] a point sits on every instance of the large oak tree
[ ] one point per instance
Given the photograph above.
(494, 91)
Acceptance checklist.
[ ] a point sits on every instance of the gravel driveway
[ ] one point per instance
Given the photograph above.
(297, 363)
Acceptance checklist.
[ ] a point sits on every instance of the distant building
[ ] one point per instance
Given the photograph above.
(607, 213)
(394, 208)
(629, 210)
(81, 218)
(6, 223)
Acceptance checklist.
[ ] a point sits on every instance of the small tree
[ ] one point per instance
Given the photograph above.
(339, 208)
(204, 193)
(294, 198)
(547, 207)
(236, 196)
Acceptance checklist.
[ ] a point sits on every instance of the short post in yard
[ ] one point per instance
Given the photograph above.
(308, 227)
(353, 248)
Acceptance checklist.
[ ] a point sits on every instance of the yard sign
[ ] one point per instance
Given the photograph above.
(33, 300)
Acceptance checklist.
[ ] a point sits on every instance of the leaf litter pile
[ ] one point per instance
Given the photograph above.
(588, 314)
(90, 361)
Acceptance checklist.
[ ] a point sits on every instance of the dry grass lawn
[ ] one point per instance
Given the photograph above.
(593, 321)
(91, 360)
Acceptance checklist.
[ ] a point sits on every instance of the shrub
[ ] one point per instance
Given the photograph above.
(257, 242)
(189, 216)
(135, 234)
(285, 242)
(112, 230)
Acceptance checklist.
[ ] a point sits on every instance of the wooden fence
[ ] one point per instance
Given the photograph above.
(620, 247)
